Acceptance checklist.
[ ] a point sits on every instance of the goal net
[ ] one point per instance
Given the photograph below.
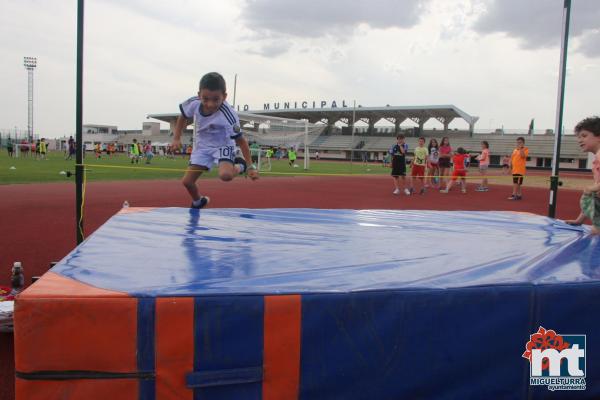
(274, 136)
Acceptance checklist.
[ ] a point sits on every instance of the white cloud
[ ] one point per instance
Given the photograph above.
(538, 23)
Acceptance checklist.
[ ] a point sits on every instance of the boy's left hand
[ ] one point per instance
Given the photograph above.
(253, 174)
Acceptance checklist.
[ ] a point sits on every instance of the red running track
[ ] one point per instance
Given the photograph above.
(38, 220)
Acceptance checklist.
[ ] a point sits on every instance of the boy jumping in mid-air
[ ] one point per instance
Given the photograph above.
(216, 132)
(588, 134)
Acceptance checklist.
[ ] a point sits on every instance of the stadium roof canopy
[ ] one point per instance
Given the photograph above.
(370, 115)
(419, 114)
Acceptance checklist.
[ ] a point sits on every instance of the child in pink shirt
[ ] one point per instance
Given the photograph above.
(484, 163)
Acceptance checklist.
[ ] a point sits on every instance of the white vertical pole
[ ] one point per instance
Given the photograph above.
(306, 151)
(234, 89)
(352, 143)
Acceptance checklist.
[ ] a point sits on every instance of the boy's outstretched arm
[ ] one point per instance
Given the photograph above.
(251, 168)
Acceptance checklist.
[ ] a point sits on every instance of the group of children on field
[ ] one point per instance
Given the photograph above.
(38, 149)
(431, 166)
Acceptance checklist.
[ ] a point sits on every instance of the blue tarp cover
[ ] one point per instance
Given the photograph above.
(174, 251)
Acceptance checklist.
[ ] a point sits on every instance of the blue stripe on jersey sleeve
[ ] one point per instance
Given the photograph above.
(228, 118)
(183, 112)
(228, 114)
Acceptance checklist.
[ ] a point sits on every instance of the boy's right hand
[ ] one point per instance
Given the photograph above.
(176, 144)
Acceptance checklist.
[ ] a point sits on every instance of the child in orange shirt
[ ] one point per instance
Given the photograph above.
(517, 163)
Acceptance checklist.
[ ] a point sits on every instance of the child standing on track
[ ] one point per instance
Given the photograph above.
(484, 163)
(459, 171)
(419, 163)
(445, 156)
(398, 154)
(216, 132)
(433, 164)
(505, 164)
(588, 135)
(517, 163)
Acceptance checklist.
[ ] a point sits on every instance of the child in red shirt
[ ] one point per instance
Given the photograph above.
(459, 170)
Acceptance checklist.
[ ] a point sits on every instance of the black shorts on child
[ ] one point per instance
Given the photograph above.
(398, 166)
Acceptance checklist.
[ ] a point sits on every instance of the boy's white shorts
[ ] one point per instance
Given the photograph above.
(210, 157)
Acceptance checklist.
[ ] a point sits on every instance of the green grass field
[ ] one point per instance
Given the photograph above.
(29, 170)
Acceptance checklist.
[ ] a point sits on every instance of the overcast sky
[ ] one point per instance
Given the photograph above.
(496, 59)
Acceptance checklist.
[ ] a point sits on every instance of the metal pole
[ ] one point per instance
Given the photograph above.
(234, 89)
(554, 183)
(306, 152)
(79, 126)
(30, 103)
(352, 143)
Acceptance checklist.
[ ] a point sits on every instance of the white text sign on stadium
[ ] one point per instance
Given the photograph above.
(288, 105)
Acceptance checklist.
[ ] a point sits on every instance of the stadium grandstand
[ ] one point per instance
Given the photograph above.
(339, 139)
(331, 132)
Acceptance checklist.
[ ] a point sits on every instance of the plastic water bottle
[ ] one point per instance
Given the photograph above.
(125, 204)
(17, 280)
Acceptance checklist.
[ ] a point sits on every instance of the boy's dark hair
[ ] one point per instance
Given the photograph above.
(521, 138)
(590, 124)
(400, 137)
(421, 138)
(213, 81)
(460, 150)
(486, 144)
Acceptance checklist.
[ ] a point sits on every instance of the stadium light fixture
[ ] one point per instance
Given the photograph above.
(30, 62)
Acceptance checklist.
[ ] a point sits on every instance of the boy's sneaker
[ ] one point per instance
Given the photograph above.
(408, 192)
(443, 190)
(463, 191)
(422, 191)
(480, 189)
(201, 203)
(397, 191)
(513, 197)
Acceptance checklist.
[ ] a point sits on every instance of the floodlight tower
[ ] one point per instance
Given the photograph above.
(30, 63)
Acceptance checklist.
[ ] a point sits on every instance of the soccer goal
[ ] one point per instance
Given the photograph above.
(274, 136)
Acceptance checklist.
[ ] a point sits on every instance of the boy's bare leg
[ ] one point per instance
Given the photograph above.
(189, 180)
